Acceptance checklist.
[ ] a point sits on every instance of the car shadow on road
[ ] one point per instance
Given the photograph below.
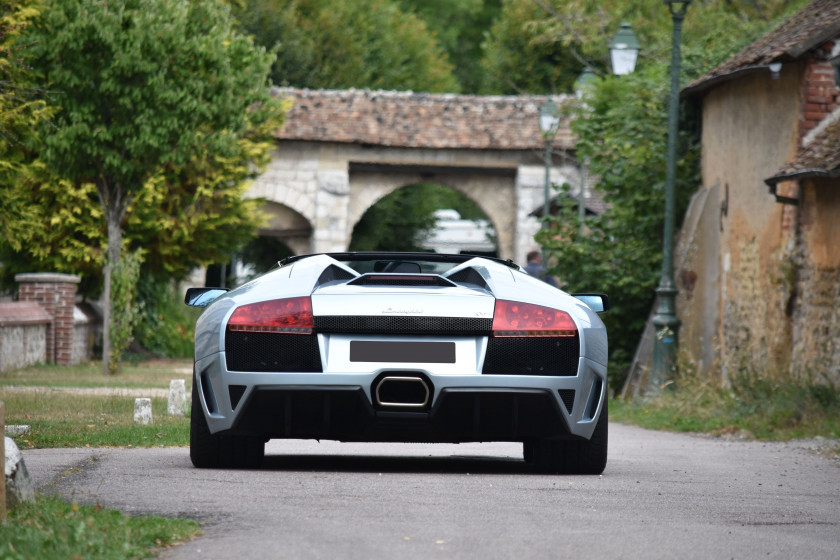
(399, 464)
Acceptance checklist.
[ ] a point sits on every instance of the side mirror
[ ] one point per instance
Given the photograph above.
(202, 297)
(599, 303)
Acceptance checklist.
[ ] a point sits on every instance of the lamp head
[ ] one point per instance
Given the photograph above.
(677, 7)
(549, 118)
(624, 49)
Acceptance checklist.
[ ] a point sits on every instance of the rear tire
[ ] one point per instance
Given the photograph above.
(577, 456)
(212, 451)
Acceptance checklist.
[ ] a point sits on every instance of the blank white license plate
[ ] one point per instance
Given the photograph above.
(402, 352)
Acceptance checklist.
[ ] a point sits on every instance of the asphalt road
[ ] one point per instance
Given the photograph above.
(662, 496)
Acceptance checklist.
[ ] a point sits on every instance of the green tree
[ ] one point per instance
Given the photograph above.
(520, 58)
(144, 87)
(20, 111)
(336, 44)
(622, 134)
(460, 27)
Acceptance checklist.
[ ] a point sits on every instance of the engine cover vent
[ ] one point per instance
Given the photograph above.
(379, 279)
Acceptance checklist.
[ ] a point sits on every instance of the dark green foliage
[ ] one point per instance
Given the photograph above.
(167, 326)
(335, 44)
(519, 58)
(459, 27)
(622, 134)
(263, 253)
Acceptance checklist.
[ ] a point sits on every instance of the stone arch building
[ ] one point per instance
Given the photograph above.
(340, 151)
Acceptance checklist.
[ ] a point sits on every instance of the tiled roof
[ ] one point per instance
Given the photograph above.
(817, 22)
(820, 158)
(420, 120)
(22, 313)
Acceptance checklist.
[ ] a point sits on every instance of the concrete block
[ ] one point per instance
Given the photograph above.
(177, 397)
(143, 411)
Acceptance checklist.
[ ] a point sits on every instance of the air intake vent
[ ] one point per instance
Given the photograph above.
(401, 280)
(468, 275)
(333, 273)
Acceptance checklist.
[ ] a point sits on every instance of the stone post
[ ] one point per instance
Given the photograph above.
(143, 410)
(177, 397)
(56, 293)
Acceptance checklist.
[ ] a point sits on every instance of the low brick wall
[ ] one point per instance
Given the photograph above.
(47, 325)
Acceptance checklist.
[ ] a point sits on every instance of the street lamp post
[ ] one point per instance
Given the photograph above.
(665, 322)
(549, 122)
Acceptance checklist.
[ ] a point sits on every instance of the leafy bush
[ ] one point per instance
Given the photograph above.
(622, 136)
(167, 326)
(126, 311)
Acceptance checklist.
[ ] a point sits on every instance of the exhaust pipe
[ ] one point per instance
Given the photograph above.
(403, 392)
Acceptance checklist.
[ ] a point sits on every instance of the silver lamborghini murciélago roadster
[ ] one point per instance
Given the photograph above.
(403, 347)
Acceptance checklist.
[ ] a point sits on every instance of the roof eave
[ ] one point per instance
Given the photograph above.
(810, 173)
(702, 87)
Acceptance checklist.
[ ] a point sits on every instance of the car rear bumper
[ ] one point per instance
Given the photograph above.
(348, 407)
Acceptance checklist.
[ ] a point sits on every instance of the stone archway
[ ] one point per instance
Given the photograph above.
(287, 226)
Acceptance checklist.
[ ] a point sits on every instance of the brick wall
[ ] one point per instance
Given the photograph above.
(820, 95)
(56, 293)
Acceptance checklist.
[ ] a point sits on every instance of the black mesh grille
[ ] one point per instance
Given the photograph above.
(400, 280)
(403, 325)
(235, 392)
(532, 356)
(247, 351)
(568, 398)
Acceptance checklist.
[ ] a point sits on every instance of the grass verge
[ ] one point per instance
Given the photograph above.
(71, 420)
(153, 373)
(53, 529)
(752, 408)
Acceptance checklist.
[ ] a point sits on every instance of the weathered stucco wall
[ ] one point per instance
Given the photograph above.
(698, 276)
(22, 345)
(750, 129)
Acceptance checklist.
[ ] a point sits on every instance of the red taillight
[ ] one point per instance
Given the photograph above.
(513, 318)
(293, 316)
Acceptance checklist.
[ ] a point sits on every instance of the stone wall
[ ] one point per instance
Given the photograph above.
(816, 282)
(23, 334)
